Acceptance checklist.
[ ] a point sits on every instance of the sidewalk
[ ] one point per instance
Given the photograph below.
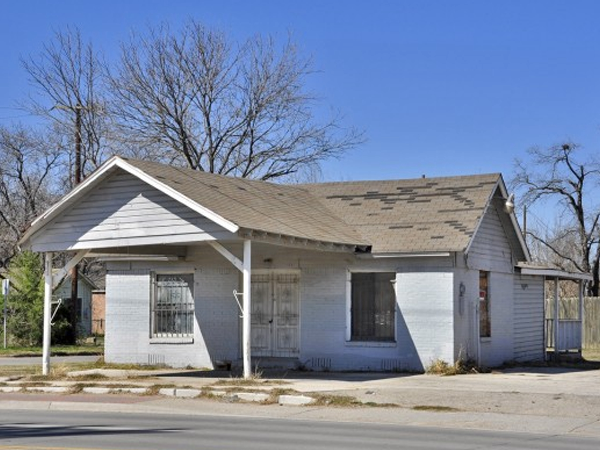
(535, 400)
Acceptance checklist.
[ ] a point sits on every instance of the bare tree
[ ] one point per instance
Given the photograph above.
(195, 98)
(28, 167)
(68, 75)
(555, 174)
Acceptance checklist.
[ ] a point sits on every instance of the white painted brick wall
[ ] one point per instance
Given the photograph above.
(323, 309)
(127, 337)
(426, 303)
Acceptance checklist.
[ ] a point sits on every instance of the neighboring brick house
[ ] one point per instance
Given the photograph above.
(98, 312)
(374, 275)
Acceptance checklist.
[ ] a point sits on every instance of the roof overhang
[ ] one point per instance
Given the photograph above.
(297, 242)
(405, 255)
(550, 272)
(511, 214)
(100, 175)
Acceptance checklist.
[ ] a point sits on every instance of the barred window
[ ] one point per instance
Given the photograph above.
(173, 305)
(373, 307)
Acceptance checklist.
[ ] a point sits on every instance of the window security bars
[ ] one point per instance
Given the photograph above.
(173, 306)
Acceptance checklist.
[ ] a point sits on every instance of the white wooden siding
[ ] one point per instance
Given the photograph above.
(125, 211)
(529, 318)
(490, 249)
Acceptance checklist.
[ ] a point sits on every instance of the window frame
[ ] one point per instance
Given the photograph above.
(350, 341)
(170, 338)
(484, 314)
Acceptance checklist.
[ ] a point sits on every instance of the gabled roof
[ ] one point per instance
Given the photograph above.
(233, 203)
(396, 216)
(412, 216)
(256, 205)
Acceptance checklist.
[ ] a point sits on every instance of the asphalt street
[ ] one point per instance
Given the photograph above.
(60, 430)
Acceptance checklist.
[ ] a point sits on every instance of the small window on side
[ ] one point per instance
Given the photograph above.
(485, 321)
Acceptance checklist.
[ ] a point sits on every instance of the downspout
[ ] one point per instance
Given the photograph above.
(477, 333)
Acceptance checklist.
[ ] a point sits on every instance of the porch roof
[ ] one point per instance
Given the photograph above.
(551, 272)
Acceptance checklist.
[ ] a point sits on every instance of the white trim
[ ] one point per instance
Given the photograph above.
(171, 340)
(58, 277)
(47, 313)
(372, 344)
(184, 338)
(554, 273)
(247, 307)
(229, 226)
(239, 265)
(348, 306)
(516, 228)
(99, 175)
(140, 258)
(349, 341)
(403, 255)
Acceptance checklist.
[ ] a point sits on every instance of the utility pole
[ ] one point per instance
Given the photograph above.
(75, 271)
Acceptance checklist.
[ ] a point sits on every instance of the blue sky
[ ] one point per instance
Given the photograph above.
(440, 87)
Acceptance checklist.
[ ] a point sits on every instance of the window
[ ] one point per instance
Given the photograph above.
(373, 307)
(173, 305)
(485, 323)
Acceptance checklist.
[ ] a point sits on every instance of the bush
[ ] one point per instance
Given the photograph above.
(460, 367)
(26, 299)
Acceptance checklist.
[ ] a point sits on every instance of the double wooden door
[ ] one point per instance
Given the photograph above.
(275, 314)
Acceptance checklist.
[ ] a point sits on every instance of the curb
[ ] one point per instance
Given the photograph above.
(254, 397)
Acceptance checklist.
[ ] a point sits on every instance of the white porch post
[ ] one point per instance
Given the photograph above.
(246, 322)
(581, 312)
(47, 312)
(556, 318)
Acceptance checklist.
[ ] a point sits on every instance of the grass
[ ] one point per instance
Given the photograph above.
(441, 367)
(60, 371)
(592, 355)
(56, 350)
(346, 401)
(435, 408)
(247, 382)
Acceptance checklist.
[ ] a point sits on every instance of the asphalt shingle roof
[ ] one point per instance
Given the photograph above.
(418, 215)
(415, 215)
(256, 205)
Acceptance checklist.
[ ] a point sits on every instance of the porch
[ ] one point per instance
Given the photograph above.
(563, 327)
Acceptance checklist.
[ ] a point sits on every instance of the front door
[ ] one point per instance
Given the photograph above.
(275, 314)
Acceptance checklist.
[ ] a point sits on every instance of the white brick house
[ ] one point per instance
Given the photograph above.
(378, 275)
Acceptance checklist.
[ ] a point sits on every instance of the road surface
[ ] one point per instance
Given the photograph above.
(61, 430)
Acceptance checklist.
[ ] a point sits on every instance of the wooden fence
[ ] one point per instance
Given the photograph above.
(591, 317)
